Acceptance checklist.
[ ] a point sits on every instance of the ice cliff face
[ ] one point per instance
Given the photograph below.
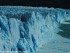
(26, 29)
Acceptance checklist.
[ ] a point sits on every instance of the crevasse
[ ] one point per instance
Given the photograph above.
(26, 29)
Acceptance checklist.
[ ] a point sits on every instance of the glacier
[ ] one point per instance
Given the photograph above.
(26, 29)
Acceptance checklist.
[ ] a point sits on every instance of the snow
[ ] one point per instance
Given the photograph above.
(32, 30)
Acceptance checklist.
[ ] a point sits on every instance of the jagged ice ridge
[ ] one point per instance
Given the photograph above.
(26, 28)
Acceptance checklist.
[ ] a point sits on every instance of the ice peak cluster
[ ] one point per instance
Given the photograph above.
(26, 29)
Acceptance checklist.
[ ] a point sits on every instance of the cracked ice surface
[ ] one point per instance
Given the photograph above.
(32, 30)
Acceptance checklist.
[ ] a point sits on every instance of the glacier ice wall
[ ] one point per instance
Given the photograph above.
(26, 29)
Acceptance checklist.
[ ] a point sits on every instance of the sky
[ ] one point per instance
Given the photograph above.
(37, 3)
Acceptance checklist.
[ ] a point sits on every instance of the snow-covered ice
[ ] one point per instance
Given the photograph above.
(32, 30)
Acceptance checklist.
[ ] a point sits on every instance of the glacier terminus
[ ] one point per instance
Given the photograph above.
(33, 30)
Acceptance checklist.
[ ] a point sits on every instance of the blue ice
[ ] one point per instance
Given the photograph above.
(26, 29)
